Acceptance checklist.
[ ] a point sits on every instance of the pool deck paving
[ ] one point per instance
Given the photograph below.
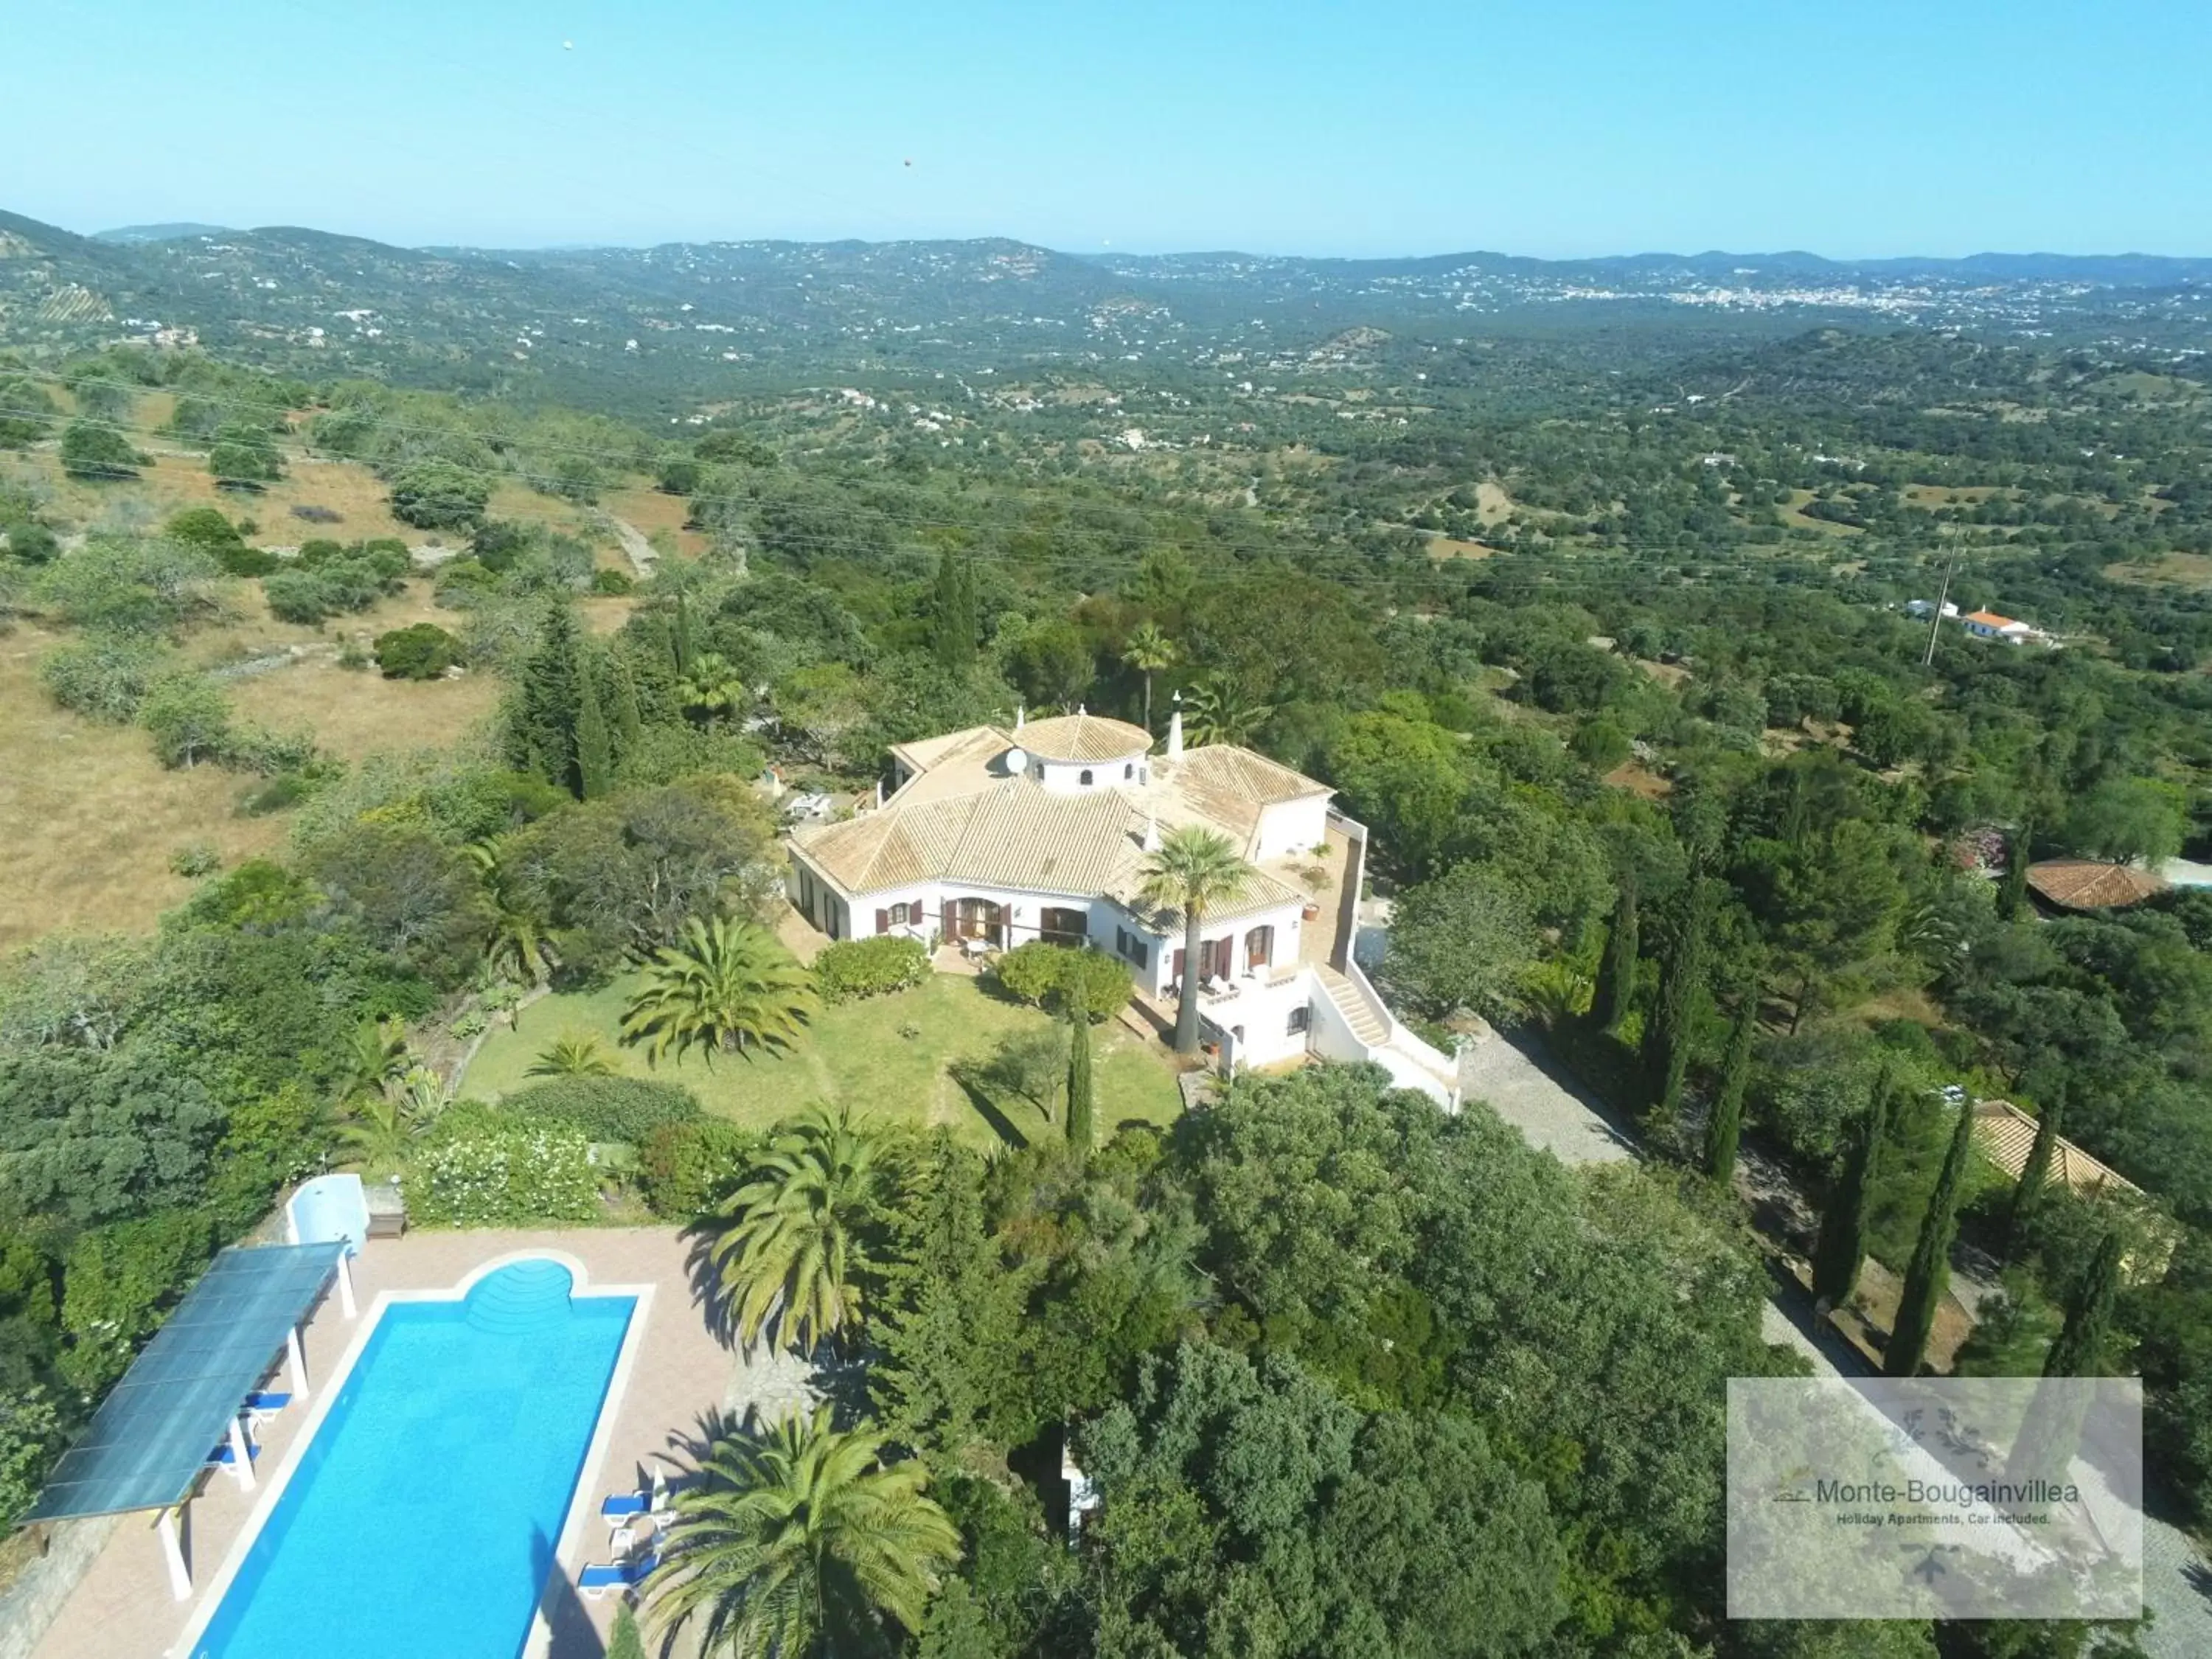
(682, 1376)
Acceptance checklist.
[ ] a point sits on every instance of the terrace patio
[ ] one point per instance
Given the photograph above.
(122, 1609)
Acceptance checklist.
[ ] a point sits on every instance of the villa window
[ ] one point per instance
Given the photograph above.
(1129, 769)
(1133, 947)
(1301, 1018)
(1084, 777)
(1056, 926)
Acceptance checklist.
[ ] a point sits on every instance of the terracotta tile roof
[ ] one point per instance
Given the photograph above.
(1082, 738)
(2006, 1134)
(2087, 885)
(1989, 619)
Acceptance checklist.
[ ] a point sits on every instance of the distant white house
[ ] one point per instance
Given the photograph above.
(1927, 608)
(994, 837)
(1988, 625)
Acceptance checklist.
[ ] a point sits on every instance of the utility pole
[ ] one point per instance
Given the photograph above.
(1935, 622)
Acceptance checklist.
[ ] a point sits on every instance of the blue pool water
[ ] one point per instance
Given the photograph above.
(423, 1518)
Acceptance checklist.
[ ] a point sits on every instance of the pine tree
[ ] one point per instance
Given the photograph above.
(1841, 1250)
(622, 687)
(542, 732)
(2012, 891)
(1666, 1044)
(595, 754)
(1079, 1104)
(623, 1641)
(1928, 1274)
(2035, 1176)
(1724, 1129)
(1616, 982)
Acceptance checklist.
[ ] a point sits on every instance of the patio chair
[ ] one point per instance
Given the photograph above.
(225, 1458)
(261, 1409)
(596, 1582)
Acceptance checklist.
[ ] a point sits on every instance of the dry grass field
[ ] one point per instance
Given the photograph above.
(2172, 570)
(90, 818)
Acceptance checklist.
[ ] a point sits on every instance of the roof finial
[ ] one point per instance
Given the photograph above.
(1021, 713)
(1080, 709)
(1174, 731)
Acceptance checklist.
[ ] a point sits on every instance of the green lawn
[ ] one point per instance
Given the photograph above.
(855, 1053)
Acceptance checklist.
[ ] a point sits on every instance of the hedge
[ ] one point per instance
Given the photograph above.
(494, 1172)
(1041, 972)
(855, 968)
(683, 1167)
(607, 1109)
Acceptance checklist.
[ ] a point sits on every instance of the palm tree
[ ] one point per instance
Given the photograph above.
(1148, 651)
(713, 686)
(377, 1055)
(572, 1056)
(726, 986)
(801, 1542)
(1195, 870)
(521, 941)
(384, 1124)
(1215, 711)
(793, 1236)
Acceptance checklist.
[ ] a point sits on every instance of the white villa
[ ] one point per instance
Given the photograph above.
(992, 838)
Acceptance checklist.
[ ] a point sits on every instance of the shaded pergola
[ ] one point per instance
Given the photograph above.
(154, 1437)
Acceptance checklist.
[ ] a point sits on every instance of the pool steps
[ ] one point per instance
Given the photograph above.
(522, 1298)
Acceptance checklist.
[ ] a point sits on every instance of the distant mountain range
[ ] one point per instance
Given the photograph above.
(665, 327)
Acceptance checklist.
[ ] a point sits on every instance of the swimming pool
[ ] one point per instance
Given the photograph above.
(422, 1517)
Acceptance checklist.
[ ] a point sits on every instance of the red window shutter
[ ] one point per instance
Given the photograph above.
(882, 921)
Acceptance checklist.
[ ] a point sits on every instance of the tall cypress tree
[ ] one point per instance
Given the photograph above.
(1616, 980)
(2012, 891)
(1928, 1274)
(1841, 1250)
(595, 753)
(953, 619)
(2081, 1341)
(1724, 1129)
(622, 698)
(542, 737)
(679, 637)
(1079, 1102)
(2051, 1430)
(2035, 1176)
(1666, 1043)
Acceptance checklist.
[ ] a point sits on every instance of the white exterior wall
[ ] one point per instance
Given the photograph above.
(1066, 777)
(1263, 1012)
(1293, 826)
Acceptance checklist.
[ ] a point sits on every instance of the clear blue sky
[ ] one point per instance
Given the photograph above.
(1549, 127)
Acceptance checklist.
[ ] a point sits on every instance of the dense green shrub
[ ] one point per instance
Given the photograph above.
(1041, 973)
(855, 968)
(30, 1436)
(488, 1169)
(438, 496)
(30, 541)
(188, 717)
(612, 581)
(683, 1167)
(117, 1282)
(352, 581)
(422, 652)
(104, 677)
(90, 449)
(624, 1108)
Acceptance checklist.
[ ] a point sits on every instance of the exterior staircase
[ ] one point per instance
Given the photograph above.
(1368, 1023)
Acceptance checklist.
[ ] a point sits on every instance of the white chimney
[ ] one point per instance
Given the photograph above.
(1020, 714)
(1152, 833)
(1175, 730)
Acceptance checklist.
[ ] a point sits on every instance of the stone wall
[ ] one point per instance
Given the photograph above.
(35, 1597)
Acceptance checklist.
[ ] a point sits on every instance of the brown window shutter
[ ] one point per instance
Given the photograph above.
(882, 921)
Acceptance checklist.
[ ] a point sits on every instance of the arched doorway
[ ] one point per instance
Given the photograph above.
(979, 918)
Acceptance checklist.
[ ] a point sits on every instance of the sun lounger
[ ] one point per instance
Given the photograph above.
(261, 1408)
(598, 1581)
(225, 1457)
(652, 1503)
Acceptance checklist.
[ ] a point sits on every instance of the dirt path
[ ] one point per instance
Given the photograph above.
(635, 546)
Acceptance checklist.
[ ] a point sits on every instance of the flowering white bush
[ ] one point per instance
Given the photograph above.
(505, 1176)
